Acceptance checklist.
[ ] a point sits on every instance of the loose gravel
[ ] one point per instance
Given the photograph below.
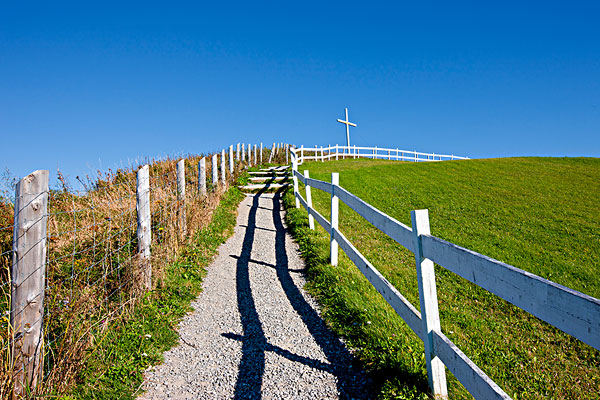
(255, 333)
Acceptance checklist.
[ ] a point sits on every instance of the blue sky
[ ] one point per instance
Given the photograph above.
(88, 86)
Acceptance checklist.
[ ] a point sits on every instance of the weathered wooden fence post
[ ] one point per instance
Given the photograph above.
(295, 179)
(430, 315)
(238, 152)
(231, 159)
(249, 154)
(144, 224)
(255, 155)
(261, 153)
(223, 169)
(335, 204)
(215, 172)
(28, 281)
(243, 153)
(287, 151)
(311, 219)
(181, 195)
(202, 176)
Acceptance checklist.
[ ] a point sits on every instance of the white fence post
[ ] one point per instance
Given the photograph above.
(311, 220)
(295, 179)
(249, 154)
(336, 152)
(215, 171)
(436, 373)
(302, 152)
(202, 176)
(261, 153)
(333, 244)
(28, 281)
(355, 152)
(181, 195)
(144, 231)
(287, 153)
(243, 153)
(238, 152)
(223, 169)
(231, 159)
(255, 155)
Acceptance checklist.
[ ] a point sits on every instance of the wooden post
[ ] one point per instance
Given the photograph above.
(181, 195)
(249, 154)
(144, 231)
(311, 219)
(202, 176)
(243, 153)
(295, 179)
(430, 315)
(336, 152)
(287, 151)
(355, 153)
(322, 155)
(28, 281)
(389, 154)
(333, 248)
(223, 169)
(302, 152)
(215, 172)
(261, 153)
(255, 155)
(231, 159)
(238, 152)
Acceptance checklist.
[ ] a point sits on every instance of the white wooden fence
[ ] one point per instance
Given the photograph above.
(570, 311)
(336, 152)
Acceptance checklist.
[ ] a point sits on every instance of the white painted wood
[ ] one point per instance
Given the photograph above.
(215, 172)
(287, 154)
(336, 152)
(388, 225)
(223, 169)
(299, 176)
(348, 125)
(295, 174)
(399, 303)
(231, 159)
(181, 196)
(238, 152)
(322, 155)
(311, 220)
(430, 316)
(465, 370)
(28, 273)
(569, 310)
(202, 176)
(324, 186)
(335, 206)
(249, 154)
(268, 178)
(261, 153)
(255, 154)
(144, 224)
(243, 153)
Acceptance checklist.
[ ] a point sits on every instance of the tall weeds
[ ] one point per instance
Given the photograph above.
(92, 269)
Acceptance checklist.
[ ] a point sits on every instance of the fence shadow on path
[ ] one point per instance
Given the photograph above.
(254, 343)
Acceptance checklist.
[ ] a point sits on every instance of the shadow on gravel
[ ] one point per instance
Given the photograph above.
(350, 382)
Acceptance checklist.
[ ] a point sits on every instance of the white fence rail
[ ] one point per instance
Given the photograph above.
(570, 311)
(336, 152)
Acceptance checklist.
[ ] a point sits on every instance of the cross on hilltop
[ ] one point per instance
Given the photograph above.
(348, 124)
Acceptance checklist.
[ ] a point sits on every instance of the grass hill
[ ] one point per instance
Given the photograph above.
(538, 214)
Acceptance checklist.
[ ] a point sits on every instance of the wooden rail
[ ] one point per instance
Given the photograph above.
(568, 310)
(336, 152)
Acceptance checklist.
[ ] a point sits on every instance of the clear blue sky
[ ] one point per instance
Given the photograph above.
(87, 86)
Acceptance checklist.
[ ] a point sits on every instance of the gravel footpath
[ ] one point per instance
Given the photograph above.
(255, 333)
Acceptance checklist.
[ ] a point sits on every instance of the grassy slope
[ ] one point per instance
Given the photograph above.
(539, 214)
(118, 361)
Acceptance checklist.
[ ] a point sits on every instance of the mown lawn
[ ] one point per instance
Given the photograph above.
(538, 214)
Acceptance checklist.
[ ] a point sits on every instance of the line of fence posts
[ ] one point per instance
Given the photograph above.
(28, 269)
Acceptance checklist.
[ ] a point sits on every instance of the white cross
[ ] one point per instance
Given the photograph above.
(348, 124)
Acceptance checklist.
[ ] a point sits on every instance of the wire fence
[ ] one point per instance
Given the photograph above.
(92, 268)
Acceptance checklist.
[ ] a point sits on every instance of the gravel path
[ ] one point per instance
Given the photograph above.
(255, 334)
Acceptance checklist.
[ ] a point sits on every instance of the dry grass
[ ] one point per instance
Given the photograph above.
(93, 271)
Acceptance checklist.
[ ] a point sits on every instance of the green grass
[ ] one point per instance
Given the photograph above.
(538, 214)
(130, 345)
